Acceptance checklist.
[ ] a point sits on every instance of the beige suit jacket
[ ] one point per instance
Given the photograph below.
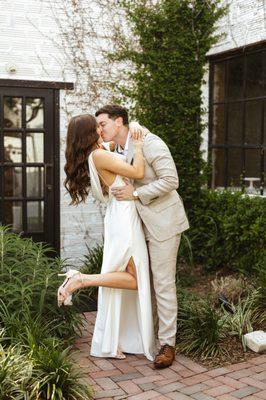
(160, 206)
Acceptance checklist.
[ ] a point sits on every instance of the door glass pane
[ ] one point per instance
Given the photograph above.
(235, 78)
(13, 147)
(34, 181)
(13, 215)
(12, 112)
(219, 82)
(34, 143)
(218, 168)
(13, 181)
(218, 126)
(234, 167)
(253, 122)
(255, 76)
(34, 113)
(35, 216)
(235, 123)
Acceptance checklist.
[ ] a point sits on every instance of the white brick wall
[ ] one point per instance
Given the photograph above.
(27, 27)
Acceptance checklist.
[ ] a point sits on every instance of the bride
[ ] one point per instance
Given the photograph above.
(124, 319)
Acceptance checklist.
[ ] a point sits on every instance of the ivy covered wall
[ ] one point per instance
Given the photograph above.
(168, 54)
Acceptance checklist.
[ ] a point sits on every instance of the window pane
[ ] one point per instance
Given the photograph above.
(235, 123)
(34, 181)
(252, 163)
(235, 77)
(218, 168)
(34, 143)
(13, 215)
(12, 181)
(234, 167)
(13, 147)
(219, 82)
(255, 75)
(12, 112)
(34, 113)
(253, 166)
(218, 126)
(253, 122)
(35, 216)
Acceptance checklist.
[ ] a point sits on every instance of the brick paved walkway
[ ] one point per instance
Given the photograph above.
(135, 378)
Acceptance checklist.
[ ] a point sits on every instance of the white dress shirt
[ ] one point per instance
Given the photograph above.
(124, 150)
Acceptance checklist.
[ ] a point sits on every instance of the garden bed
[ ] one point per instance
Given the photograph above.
(206, 286)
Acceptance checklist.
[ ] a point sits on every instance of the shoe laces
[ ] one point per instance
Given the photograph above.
(164, 349)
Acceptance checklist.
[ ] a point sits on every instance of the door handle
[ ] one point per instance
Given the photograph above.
(48, 186)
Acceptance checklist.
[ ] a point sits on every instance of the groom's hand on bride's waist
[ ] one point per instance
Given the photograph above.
(124, 192)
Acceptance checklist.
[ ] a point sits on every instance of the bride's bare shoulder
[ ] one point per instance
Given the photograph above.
(101, 156)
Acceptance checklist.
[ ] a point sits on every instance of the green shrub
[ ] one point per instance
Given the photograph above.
(29, 284)
(92, 265)
(201, 329)
(15, 372)
(33, 361)
(228, 229)
(55, 375)
(244, 315)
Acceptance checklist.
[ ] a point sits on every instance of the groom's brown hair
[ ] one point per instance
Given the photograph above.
(114, 111)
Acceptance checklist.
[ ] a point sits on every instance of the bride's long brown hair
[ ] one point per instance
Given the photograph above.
(81, 139)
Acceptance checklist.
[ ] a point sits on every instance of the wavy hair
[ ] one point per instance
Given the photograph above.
(81, 137)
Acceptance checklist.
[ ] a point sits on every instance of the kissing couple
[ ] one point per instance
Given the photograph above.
(145, 216)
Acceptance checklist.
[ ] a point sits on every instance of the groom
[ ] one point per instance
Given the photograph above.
(162, 213)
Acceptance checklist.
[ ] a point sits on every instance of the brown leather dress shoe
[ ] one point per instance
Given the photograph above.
(165, 357)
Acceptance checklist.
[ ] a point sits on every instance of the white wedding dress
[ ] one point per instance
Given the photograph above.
(124, 318)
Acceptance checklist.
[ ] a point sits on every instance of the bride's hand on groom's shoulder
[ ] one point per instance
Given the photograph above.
(137, 130)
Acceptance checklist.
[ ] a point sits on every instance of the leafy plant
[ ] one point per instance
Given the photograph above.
(200, 328)
(228, 229)
(29, 284)
(243, 317)
(15, 371)
(56, 377)
(92, 265)
(232, 287)
(33, 361)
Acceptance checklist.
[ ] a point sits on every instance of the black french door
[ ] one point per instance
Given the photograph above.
(29, 163)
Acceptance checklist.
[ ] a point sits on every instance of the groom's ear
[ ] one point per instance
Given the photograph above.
(119, 121)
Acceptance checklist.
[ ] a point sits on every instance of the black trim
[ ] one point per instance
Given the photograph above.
(36, 84)
(223, 55)
(57, 170)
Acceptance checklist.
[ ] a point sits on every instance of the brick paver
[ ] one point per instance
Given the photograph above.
(135, 377)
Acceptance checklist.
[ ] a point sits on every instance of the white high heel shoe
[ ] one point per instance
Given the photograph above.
(67, 300)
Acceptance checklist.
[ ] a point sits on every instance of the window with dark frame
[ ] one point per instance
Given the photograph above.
(237, 124)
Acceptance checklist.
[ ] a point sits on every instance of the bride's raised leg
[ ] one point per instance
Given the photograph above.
(118, 280)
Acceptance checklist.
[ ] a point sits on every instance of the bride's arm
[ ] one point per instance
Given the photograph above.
(109, 162)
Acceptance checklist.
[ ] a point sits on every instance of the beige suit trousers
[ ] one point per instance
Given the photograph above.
(163, 257)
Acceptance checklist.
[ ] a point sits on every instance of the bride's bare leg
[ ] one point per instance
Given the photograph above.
(118, 280)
